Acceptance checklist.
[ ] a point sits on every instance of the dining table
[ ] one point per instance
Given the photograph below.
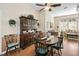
(49, 42)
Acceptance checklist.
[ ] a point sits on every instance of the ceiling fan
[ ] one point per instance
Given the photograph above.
(48, 6)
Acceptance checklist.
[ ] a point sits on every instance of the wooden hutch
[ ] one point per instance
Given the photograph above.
(26, 24)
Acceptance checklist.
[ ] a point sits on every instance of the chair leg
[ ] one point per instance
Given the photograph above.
(7, 52)
(51, 51)
(60, 51)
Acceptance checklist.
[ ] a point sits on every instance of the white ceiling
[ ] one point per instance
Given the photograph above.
(63, 6)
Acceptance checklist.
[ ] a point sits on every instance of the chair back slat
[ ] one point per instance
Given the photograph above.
(12, 38)
(60, 42)
(38, 44)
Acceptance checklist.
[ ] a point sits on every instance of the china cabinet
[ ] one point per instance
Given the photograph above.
(26, 24)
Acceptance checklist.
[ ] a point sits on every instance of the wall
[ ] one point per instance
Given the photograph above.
(59, 11)
(48, 19)
(42, 20)
(14, 11)
(0, 31)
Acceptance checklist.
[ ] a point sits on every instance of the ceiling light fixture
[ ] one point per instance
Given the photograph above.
(47, 8)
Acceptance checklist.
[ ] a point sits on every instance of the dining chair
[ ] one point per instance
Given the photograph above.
(11, 42)
(58, 46)
(40, 49)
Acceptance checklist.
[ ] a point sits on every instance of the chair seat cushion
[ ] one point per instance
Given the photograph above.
(56, 46)
(12, 44)
(42, 50)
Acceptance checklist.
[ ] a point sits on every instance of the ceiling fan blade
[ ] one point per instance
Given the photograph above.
(39, 5)
(41, 9)
(55, 5)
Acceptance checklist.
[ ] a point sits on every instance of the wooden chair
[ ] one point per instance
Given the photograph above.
(11, 42)
(41, 49)
(58, 46)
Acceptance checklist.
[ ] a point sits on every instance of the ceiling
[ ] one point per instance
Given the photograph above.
(63, 6)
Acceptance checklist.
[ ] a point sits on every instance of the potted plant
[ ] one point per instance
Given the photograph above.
(12, 22)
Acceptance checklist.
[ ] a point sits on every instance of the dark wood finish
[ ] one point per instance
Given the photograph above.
(26, 24)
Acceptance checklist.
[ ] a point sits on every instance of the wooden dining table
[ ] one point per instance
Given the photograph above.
(49, 42)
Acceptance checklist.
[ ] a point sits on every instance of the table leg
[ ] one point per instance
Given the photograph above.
(51, 51)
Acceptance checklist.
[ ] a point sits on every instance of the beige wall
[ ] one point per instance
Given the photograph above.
(0, 31)
(42, 20)
(14, 11)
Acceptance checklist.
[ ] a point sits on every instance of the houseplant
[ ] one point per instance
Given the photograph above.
(12, 22)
